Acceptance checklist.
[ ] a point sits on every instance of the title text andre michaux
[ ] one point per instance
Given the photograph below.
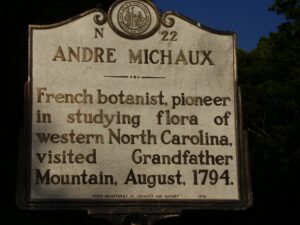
(135, 56)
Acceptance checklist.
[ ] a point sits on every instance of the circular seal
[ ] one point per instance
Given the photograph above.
(134, 17)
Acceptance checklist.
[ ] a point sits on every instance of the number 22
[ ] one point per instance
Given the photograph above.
(169, 36)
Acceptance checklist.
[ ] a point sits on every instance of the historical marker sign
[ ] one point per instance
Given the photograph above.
(133, 107)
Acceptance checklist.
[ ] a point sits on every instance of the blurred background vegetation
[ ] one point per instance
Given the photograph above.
(270, 82)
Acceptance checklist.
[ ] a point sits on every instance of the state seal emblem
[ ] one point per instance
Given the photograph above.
(134, 19)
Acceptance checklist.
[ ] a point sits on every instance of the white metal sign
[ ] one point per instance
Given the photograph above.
(133, 106)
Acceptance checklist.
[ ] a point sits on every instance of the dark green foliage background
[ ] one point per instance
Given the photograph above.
(270, 82)
(269, 77)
